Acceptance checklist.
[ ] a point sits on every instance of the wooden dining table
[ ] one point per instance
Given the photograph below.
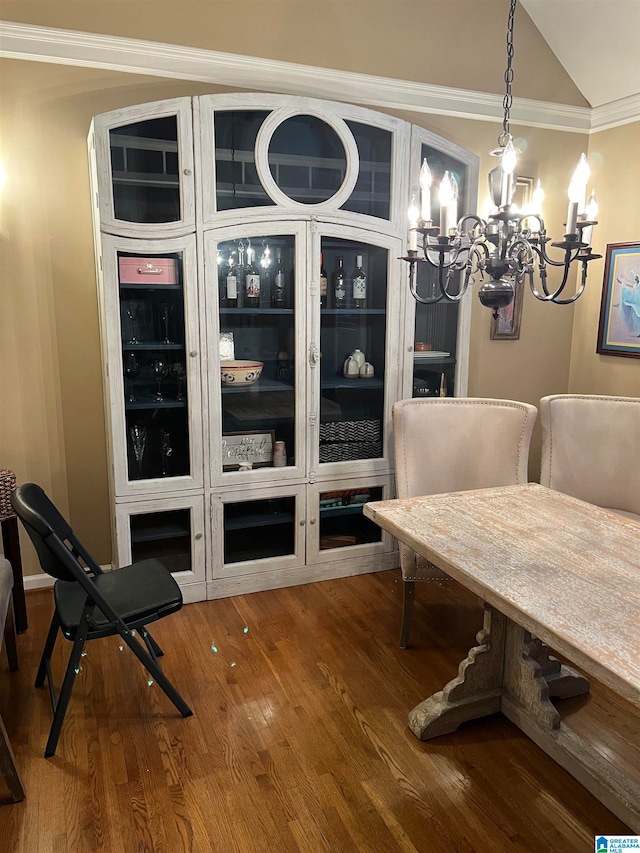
(554, 573)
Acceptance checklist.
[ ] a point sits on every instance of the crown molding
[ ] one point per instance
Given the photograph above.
(616, 113)
(134, 56)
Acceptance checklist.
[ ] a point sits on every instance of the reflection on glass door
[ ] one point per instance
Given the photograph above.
(353, 345)
(256, 295)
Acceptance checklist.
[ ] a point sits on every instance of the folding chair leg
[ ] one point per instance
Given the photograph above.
(48, 650)
(409, 596)
(60, 709)
(154, 669)
(150, 641)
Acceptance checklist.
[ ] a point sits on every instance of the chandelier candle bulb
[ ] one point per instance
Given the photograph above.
(508, 163)
(444, 195)
(414, 214)
(591, 216)
(425, 191)
(577, 193)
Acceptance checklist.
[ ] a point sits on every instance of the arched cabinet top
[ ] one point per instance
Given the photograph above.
(164, 168)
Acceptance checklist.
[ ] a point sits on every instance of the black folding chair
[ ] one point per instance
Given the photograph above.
(90, 603)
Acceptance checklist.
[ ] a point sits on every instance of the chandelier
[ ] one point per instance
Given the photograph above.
(508, 247)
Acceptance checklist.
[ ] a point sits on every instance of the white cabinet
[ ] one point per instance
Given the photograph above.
(276, 245)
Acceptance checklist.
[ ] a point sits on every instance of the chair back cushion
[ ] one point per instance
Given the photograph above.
(458, 443)
(591, 449)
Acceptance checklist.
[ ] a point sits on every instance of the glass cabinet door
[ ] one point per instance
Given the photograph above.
(258, 530)
(337, 527)
(257, 370)
(356, 353)
(169, 530)
(155, 388)
(144, 169)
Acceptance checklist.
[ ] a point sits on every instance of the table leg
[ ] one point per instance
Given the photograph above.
(564, 682)
(11, 547)
(475, 692)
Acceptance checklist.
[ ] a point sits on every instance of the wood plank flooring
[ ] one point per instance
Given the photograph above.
(299, 739)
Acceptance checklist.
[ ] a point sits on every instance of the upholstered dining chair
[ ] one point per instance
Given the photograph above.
(454, 444)
(591, 449)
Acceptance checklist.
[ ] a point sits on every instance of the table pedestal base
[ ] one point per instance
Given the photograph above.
(512, 672)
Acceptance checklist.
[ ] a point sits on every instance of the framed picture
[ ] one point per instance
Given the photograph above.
(252, 449)
(619, 328)
(506, 327)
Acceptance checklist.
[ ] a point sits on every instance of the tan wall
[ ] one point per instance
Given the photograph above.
(617, 154)
(53, 430)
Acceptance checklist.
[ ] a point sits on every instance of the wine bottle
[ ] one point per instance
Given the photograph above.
(279, 290)
(251, 282)
(339, 285)
(231, 283)
(223, 271)
(240, 274)
(323, 286)
(359, 285)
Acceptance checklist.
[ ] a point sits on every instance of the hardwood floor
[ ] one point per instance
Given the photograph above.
(299, 739)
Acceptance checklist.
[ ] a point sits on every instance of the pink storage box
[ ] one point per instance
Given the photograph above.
(148, 270)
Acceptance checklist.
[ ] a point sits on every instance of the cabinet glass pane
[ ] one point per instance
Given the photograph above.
(307, 159)
(144, 168)
(257, 530)
(256, 284)
(436, 325)
(166, 536)
(342, 523)
(372, 192)
(155, 365)
(237, 181)
(352, 343)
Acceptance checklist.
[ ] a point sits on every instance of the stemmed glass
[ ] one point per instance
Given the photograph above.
(178, 372)
(165, 312)
(166, 450)
(159, 370)
(138, 435)
(131, 372)
(132, 308)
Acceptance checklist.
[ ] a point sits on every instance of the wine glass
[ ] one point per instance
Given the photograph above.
(138, 435)
(166, 450)
(132, 308)
(165, 312)
(159, 370)
(131, 372)
(178, 372)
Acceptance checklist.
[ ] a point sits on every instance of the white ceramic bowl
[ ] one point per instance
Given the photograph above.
(240, 371)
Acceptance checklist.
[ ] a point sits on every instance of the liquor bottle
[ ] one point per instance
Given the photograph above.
(230, 273)
(324, 301)
(251, 282)
(279, 289)
(240, 276)
(359, 285)
(339, 286)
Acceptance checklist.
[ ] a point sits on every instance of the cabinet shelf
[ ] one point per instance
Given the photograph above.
(349, 509)
(258, 310)
(156, 532)
(151, 403)
(341, 312)
(257, 387)
(150, 346)
(145, 287)
(257, 520)
(356, 383)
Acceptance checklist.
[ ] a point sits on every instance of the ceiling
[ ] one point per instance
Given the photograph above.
(597, 42)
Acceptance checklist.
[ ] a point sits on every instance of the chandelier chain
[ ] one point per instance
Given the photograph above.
(508, 77)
